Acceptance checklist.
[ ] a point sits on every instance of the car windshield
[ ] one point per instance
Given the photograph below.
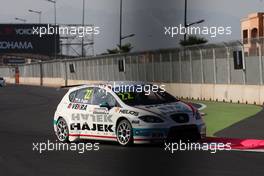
(1, 78)
(133, 98)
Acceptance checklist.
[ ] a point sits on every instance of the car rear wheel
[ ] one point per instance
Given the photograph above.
(62, 130)
(124, 133)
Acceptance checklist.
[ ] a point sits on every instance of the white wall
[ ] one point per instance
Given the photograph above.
(252, 94)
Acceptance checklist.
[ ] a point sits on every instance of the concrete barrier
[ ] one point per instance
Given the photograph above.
(53, 82)
(10, 80)
(251, 94)
(29, 80)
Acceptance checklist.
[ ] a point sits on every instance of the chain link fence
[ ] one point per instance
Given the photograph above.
(204, 64)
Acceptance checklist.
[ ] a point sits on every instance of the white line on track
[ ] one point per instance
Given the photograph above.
(249, 150)
(203, 106)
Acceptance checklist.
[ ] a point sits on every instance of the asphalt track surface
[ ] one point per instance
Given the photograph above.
(26, 116)
(250, 128)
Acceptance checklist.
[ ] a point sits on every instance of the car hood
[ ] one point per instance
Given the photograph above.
(167, 109)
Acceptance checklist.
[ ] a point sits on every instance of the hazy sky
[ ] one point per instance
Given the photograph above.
(145, 18)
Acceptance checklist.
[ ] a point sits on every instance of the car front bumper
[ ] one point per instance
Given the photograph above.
(182, 132)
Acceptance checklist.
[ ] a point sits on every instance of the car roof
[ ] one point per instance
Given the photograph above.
(128, 83)
(111, 83)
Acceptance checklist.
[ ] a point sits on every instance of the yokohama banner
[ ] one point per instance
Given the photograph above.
(20, 38)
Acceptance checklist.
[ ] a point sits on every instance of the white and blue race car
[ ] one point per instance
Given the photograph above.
(127, 115)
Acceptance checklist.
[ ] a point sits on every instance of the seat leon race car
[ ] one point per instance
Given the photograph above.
(135, 113)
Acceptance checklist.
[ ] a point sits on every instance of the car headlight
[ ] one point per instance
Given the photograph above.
(151, 119)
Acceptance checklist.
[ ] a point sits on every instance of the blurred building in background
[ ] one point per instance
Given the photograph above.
(252, 29)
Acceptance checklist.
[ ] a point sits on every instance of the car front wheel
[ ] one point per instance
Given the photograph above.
(62, 131)
(124, 133)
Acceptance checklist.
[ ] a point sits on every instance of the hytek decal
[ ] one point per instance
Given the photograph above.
(124, 111)
(77, 106)
(104, 118)
(100, 122)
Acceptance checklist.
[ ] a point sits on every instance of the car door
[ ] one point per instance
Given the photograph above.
(79, 110)
(104, 107)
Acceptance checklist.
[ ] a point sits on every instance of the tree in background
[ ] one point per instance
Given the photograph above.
(112, 51)
(193, 40)
(121, 49)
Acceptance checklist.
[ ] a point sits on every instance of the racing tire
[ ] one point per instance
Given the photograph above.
(124, 133)
(62, 130)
